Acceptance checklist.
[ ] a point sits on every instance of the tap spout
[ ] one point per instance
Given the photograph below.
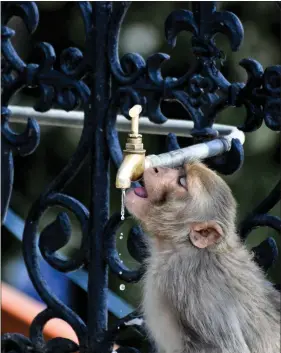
(132, 166)
(130, 170)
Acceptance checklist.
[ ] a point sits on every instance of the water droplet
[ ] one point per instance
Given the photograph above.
(122, 287)
(121, 237)
(119, 254)
(123, 204)
(121, 261)
(120, 273)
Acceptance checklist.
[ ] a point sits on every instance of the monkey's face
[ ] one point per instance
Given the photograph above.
(173, 200)
(163, 191)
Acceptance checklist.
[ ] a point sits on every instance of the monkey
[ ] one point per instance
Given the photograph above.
(202, 290)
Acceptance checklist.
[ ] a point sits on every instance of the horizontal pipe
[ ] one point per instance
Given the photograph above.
(134, 163)
(200, 151)
(75, 119)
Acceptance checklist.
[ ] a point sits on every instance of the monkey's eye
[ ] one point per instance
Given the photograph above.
(182, 181)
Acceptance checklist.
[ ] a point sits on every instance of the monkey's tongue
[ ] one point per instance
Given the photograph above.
(141, 192)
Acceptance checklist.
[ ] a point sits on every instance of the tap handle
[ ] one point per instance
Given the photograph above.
(134, 113)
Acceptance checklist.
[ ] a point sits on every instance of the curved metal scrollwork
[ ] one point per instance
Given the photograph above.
(203, 92)
(66, 89)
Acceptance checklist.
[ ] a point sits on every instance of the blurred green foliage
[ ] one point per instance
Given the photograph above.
(143, 32)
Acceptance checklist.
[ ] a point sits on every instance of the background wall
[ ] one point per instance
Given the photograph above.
(143, 32)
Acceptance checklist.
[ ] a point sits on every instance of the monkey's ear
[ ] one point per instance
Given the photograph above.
(205, 234)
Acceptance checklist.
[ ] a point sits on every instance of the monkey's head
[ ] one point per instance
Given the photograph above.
(191, 205)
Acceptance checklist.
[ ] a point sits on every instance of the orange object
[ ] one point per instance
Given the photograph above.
(18, 311)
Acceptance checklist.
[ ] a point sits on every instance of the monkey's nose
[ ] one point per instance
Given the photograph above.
(156, 170)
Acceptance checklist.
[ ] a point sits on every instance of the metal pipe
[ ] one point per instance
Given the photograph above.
(133, 165)
(75, 119)
(199, 151)
(134, 161)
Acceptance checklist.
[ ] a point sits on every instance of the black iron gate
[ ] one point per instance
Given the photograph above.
(116, 85)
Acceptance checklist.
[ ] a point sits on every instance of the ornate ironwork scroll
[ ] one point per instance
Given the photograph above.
(117, 84)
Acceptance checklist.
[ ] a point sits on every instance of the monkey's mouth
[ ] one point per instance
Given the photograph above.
(141, 192)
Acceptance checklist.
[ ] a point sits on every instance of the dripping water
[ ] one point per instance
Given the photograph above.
(123, 204)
